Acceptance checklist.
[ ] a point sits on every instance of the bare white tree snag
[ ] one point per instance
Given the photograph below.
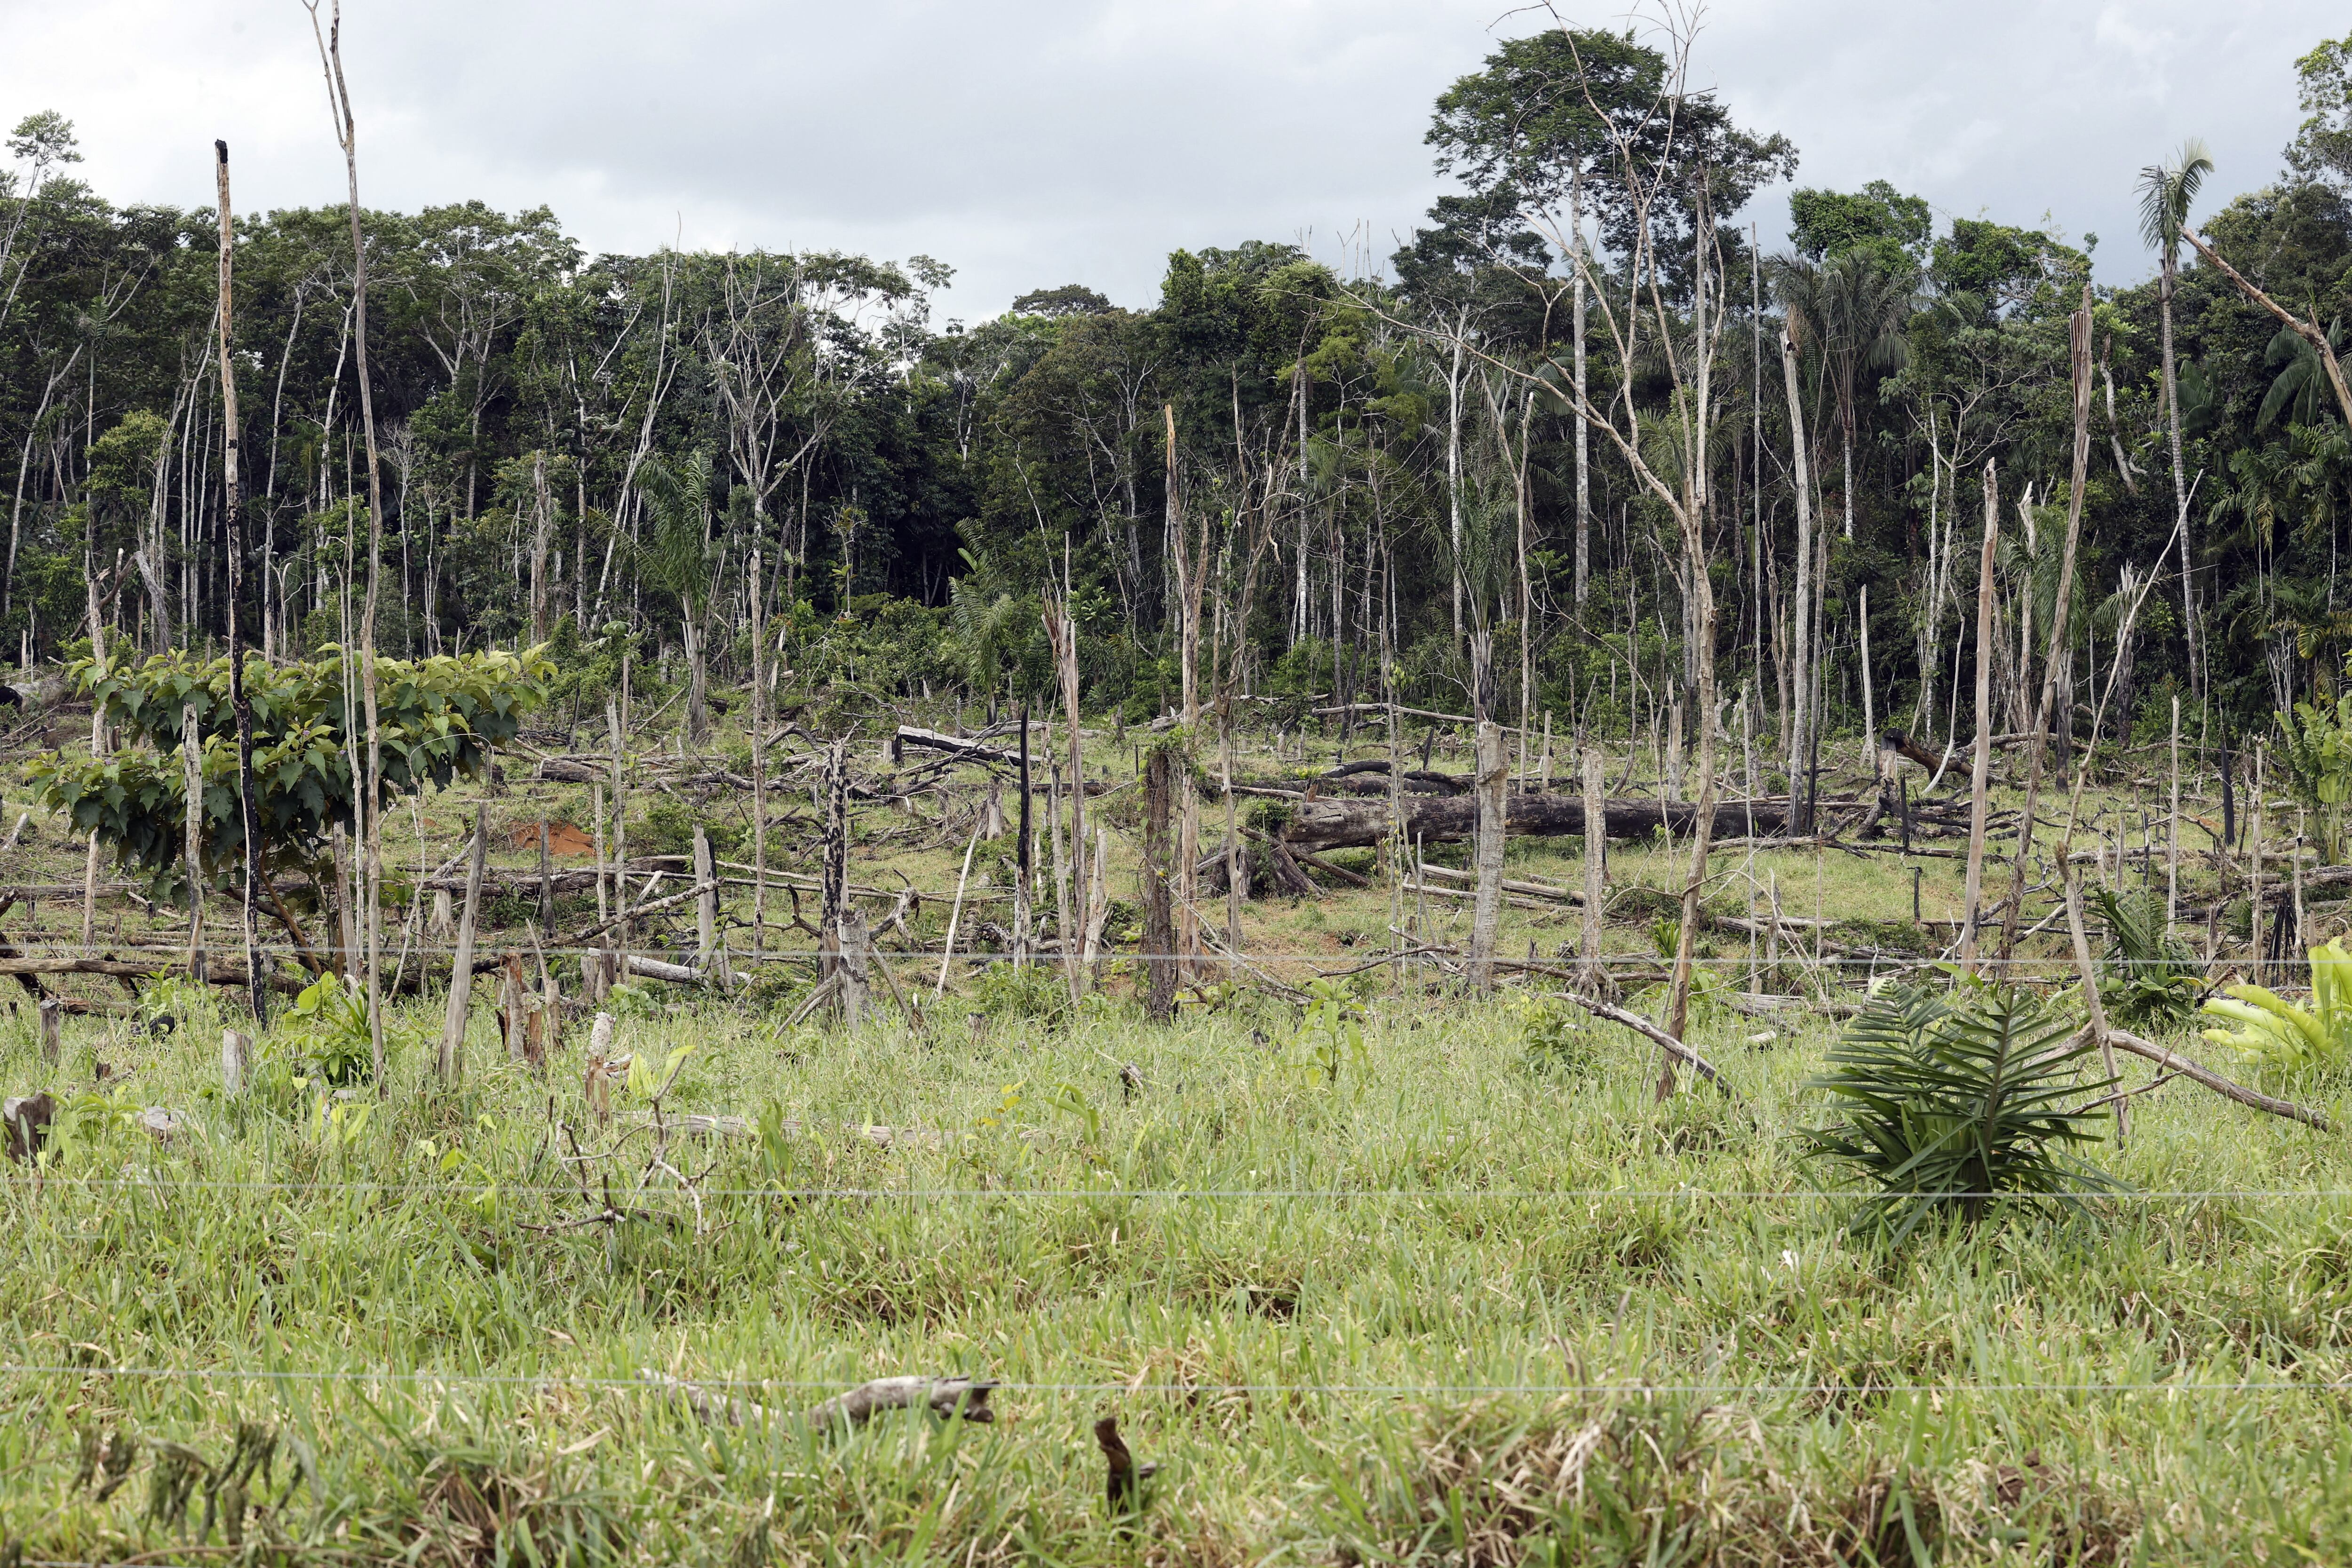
(1981, 767)
(451, 1064)
(1801, 606)
(705, 906)
(1596, 863)
(2309, 330)
(955, 913)
(857, 965)
(338, 102)
(233, 521)
(2172, 851)
(192, 759)
(1098, 903)
(1494, 771)
(759, 771)
(620, 831)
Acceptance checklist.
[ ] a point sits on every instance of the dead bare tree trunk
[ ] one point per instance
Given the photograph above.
(1801, 608)
(1596, 862)
(760, 770)
(1494, 772)
(836, 845)
(542, 524)
(1023, 852)
(706, 905)
(1979, 769)
(2308, 331)
(330, 60)
(191, 758)
(240, 700)
(1158, 928)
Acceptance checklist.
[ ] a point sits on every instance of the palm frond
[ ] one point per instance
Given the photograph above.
(1950, 1102)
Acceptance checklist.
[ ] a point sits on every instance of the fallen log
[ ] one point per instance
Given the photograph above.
(958, 747)
(218, 971)
(1319, 825)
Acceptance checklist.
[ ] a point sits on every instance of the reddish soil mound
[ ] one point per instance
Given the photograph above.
(564, 840)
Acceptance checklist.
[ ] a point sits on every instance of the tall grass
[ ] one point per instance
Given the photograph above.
(1464, 1300)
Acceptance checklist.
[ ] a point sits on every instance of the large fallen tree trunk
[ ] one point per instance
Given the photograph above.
(1349, 823)
(958, 747)
(218, 971)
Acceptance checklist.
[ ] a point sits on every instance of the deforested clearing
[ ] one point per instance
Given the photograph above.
(1662, 881)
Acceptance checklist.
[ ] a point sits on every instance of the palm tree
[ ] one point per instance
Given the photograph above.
(2299, 388)
(679, 559)
(2166, 193)
(1863, 307)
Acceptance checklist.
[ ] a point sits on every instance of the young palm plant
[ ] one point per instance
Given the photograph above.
(1950, 1101)
(2152, 980)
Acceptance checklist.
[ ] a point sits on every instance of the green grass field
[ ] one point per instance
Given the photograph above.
(1467, 1295)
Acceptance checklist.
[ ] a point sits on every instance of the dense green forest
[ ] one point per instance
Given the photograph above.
(1377, 488)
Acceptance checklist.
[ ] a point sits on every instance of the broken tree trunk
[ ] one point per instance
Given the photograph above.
(1159, 927)
(461, 974)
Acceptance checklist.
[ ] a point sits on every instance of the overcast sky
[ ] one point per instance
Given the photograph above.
(1032, 142)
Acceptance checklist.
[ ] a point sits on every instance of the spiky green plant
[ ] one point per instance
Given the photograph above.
(2151, 980)
(2281, 1035)
(1952, 1100)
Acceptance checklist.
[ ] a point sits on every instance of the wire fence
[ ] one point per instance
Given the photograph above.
(1796, 948)
(668, 1386)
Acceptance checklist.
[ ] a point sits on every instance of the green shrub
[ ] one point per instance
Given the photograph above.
(328, 1025)
(1557, 1039)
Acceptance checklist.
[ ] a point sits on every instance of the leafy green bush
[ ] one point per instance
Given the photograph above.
(328, 1025)
(1557, 1039)
(439, 717)
(2279, 1035)
(1952, 1100)
(2315, 746)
